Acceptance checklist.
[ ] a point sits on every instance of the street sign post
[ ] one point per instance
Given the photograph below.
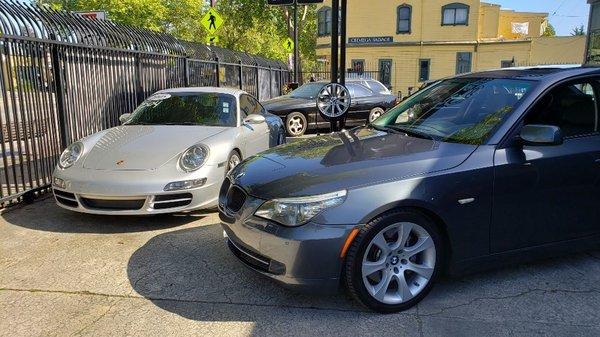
(212, 21)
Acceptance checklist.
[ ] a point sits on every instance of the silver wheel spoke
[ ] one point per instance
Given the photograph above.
(403, 288)
(422, 270)
(404, 231)
(369, 268)
(380, 289)
(422, 244)
(380, 242)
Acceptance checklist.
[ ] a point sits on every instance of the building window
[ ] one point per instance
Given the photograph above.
(424, 65)
(463, 62)
(324, 21)
(404, 17)
(358, 67)
(385, 72)
(455, 14)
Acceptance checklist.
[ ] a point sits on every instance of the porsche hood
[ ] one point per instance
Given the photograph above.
(143, 147)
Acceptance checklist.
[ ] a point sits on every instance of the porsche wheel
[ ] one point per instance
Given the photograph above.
(394, 261)
(234, 160)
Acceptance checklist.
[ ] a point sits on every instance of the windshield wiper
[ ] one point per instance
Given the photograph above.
(410, 131)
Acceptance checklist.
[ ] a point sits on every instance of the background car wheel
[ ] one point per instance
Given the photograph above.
(375, 113)
(394, 261)
(234, 159)
(296, 124)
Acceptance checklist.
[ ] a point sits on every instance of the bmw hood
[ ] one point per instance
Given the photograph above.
(344, 160)
(143, 147)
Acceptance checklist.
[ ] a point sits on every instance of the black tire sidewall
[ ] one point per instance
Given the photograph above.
(358, 249)
(287, 124)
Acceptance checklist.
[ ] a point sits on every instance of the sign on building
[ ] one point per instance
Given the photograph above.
(520, 28)
(371, 40)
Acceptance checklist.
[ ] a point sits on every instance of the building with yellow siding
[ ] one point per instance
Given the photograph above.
(404, 43)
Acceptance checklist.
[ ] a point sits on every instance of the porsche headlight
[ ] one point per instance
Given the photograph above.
(70, 155)
(298, 211)
(193, 158)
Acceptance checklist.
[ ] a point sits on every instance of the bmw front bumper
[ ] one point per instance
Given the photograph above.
(305, 258)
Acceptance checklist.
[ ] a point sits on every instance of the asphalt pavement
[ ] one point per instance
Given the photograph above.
(64, 274)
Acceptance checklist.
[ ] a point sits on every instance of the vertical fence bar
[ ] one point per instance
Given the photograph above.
(59, 94)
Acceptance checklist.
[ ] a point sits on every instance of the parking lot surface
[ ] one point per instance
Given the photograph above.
(63, 273)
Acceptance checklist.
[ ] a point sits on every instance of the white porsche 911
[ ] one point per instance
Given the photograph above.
(170, 155)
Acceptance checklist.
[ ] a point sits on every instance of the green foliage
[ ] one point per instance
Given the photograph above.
(250, 25)
(578, 31)
(549, 31)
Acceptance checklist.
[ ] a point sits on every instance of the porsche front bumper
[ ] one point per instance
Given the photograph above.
(134, 192)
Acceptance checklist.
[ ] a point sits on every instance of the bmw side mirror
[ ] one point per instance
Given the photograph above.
(124, 118)
(536, 134)
(254, 119)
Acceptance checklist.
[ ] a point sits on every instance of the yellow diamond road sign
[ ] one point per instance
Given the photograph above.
(212, 39)
(288, 45)
(212, 20)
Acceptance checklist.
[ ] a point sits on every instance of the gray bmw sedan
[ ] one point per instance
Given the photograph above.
(475, 171)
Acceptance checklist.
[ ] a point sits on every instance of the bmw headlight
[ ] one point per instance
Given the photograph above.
(298, 211)
(193, 158)
(70, 155)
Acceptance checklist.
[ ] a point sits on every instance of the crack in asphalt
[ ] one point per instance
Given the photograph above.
(158, 299)
(418, 314)
(496, 298)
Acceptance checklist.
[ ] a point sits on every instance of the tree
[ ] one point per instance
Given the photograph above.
(549, 31)
(578, 31)
(251, 26)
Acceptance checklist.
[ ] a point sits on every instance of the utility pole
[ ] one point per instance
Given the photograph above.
(213, 3)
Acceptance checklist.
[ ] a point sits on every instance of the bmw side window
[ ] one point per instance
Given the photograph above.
(573, 107)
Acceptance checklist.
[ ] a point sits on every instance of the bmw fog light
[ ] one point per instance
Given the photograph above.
(59, 183)
(185, 184)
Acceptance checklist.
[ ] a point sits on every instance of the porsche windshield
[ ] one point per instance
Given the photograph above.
(460, 110)
(210, 109)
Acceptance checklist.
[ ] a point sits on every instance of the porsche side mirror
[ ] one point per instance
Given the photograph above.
(537, 134)
(124, 118)
(254, 119)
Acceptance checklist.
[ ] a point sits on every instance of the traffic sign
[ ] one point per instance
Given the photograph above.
(212, 39)
(212, 20)
(288, 45)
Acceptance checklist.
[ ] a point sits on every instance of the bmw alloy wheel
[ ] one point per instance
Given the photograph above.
(296, 125)
(398, 263)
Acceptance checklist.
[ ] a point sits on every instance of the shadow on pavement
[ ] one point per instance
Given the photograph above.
(185, 271)
(46, 216)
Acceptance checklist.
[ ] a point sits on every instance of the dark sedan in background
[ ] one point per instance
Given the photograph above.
(474, 171)
(370, 99)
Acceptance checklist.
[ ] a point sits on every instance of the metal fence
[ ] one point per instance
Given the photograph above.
(63, 77)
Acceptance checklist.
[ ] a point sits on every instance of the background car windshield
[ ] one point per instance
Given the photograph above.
(210, 109)
(462, 110)
(309, 90)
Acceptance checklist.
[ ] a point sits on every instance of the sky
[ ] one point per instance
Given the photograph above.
(564, 15)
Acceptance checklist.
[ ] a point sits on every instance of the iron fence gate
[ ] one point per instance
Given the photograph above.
(63, 77)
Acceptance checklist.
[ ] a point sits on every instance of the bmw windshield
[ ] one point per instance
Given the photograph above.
(460, 110)
(209, 109)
